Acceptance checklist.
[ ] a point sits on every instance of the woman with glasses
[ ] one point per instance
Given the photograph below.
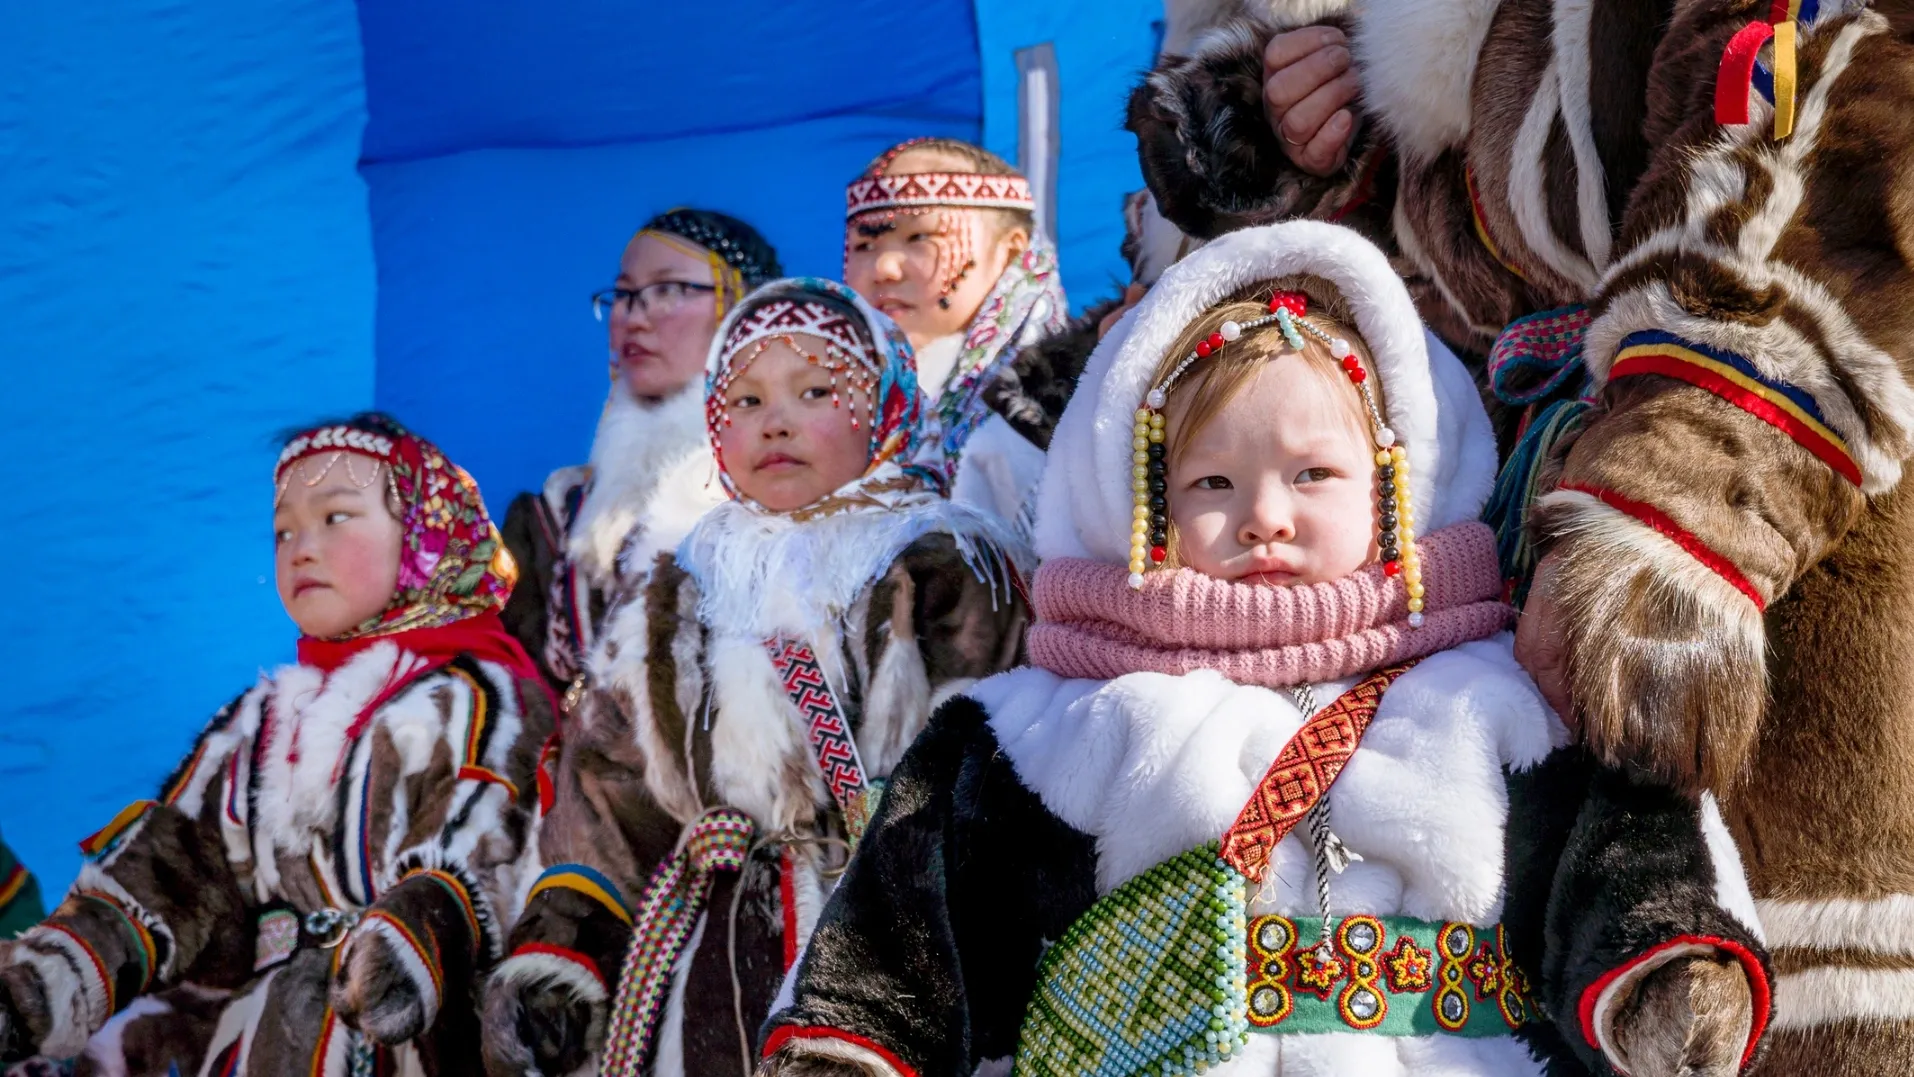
(650, 475)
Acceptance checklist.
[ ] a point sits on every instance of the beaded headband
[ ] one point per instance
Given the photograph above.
(331, 439)
(787, 317)
(1149, 527)
(930, 190)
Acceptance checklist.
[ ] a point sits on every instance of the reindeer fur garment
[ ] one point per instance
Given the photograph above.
(277, 804)
(687, 713)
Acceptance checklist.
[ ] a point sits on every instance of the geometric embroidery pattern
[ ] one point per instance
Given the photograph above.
(1302, 774)
(825, 727)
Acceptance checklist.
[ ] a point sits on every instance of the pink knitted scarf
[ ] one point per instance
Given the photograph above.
(1091, 624)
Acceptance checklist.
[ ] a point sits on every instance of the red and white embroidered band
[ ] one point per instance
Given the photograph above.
(826, 728)
(928, 190)
(786, 317)
(333, 439)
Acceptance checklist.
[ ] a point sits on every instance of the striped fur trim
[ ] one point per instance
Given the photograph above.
(417, 955)
(1662, 524)
(1881, 925)
(543, 963)
(73, 990)
(1830, 994)
(481, 917)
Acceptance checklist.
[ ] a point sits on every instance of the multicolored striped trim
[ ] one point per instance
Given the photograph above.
(323, 1048)
(564, 954)
(482, 774)
(427, 955)
(1788, 408)
(461, 894)
(107, 837)
(11, 886)
(586, 881)
(1482, 223)
(481, 714)
(186, 773)
(1760, 990)
(1661, 522)
(99, 965)
(141, 934)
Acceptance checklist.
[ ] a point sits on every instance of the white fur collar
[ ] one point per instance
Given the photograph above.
(936, 362)
(1417, 60)
(687, 488)
(1084, 503)
(763, 574)
(1150, 765)
(634, 445)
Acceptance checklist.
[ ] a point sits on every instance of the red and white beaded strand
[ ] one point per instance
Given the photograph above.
(1149, 524)
(857, 379)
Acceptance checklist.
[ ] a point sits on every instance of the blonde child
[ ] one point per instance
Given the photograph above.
(746, 708)
(1249, 810)
(335, 862)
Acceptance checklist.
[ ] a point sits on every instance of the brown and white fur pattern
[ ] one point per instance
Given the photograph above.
(687, 713)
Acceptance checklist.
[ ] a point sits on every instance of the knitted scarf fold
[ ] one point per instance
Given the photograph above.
(1090, 624)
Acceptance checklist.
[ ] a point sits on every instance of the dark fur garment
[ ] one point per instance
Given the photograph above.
(1033, 390)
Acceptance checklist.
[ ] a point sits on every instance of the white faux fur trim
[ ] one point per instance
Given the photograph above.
(1731, 878)
(92, 877)
(1833, 993)
(1084, 503)
(767, 574)
(1418, 68)
(687, 488)
(1572, 73)
(1695, 588)
(844, 1051)
(633, 444)
(1878, 925)
(999, 474)
(528, 970)
(411, 962)
(238, 1022)
(105, 1051)
(1528, 196)
(76, 999)
(1151, 765)
(1604, 1016)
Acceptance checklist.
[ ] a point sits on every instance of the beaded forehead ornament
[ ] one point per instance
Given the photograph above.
(874, 200)
(1150, 527)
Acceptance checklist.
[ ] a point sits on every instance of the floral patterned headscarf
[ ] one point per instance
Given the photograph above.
(452, 564)
(872, 369)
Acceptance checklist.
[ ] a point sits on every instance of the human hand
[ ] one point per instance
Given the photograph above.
(1309, 84)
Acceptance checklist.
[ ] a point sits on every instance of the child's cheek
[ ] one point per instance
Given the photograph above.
(365, 563)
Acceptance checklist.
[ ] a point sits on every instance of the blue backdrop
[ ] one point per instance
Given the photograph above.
(221, 219)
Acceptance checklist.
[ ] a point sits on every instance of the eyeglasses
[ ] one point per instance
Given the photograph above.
(656, 299)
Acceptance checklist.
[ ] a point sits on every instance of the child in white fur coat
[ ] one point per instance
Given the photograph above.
(1274, 796)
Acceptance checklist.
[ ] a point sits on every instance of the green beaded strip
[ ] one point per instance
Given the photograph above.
(1150, 981)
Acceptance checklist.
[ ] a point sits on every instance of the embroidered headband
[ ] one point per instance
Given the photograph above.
(788, 317)
(1150, 526)
(931, 190)
(331, 439)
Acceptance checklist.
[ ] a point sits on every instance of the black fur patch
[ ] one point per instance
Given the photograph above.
(1032, 391)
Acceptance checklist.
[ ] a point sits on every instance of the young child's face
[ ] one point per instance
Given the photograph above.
(659, 346)
(895, 265)
(790, 441)
(1279, 487)
(336, 554)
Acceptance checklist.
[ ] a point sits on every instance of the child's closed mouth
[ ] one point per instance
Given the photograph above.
(302, 585)
(777, 461)
(890, 305)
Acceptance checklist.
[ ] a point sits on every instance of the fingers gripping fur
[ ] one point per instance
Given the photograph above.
(1209, 155)
(1689, 1016)
(1667, 661)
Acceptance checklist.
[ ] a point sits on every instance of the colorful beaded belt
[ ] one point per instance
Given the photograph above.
(1437, 978)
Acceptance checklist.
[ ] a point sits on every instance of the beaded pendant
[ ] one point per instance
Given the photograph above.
(1149, 478)
(1150, 981)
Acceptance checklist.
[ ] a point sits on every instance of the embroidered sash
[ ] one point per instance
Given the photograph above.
(828, 730)
(1302, 774)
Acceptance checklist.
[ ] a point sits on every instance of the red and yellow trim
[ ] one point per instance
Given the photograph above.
(92, 955)
(15, 881)
(456, 887)
(104, 839)
(142, 935)
(428, 956)
(1481, 221)
(1786, 407)
(586, 881)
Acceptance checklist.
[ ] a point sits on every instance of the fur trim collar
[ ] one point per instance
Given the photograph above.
(634, 445)
(1151, 765)
(1084, 504)
(762, 574)
(936, 363)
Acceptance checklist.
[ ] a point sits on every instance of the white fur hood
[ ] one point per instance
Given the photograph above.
(1084, 502)
(636, 447)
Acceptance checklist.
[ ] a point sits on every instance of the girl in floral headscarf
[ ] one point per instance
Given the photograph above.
(334, 863)
(745, 710)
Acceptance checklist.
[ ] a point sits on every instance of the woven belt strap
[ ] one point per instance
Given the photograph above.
(827, 730)
(667, 914)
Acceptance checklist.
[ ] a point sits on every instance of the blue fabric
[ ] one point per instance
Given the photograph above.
(185, 268)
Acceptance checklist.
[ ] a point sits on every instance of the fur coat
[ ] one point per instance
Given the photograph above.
(687, 713)
(414, 819)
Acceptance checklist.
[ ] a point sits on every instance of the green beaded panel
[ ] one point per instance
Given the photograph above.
(1149, 981)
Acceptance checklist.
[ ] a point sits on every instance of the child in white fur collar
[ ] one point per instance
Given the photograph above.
(1274, 797)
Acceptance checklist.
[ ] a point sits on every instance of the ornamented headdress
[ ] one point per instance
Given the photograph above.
(873, 374)
(452, 565)
(741, 259)
(877, 197)
(1149, 529)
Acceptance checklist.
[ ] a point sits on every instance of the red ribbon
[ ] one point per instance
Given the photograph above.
(1664, 524)
(1736, 76)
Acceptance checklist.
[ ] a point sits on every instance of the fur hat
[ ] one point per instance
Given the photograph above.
(1084, 504)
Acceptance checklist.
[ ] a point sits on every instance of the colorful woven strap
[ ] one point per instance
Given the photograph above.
(1788, 408)
(1302, 774)
(668, 912)
(1451, 978)
(826, 728)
